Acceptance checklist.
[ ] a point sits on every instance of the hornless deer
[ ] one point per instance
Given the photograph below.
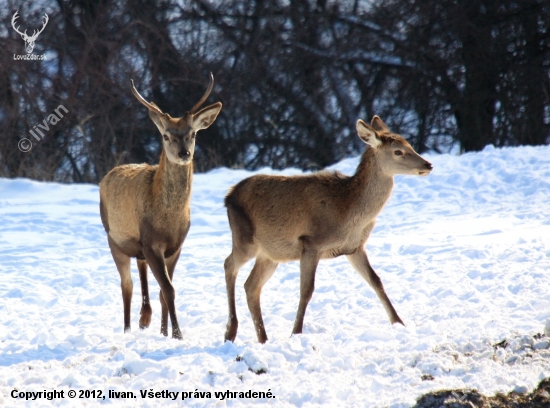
(323, 215)
(145, 209)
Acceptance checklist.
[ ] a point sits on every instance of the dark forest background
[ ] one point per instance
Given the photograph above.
(293, 77)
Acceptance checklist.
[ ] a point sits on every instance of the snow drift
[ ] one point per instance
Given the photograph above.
(464, 255)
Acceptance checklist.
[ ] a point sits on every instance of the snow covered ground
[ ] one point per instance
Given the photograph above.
(464, 255)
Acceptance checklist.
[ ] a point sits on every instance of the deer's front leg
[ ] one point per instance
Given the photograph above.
(361, 264)
(170, 267)
(146, 310)
(168, 294)
(308, 267)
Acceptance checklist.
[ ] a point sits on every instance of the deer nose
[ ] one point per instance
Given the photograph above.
(184, 154)
(429, 166)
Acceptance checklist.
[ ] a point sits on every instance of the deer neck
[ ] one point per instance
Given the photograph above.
(370, 184)
(172, 183)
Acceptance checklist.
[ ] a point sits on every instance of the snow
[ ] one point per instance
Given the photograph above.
(464, 255)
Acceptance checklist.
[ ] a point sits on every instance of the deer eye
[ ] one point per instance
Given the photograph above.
(398, 153)
(166, 137)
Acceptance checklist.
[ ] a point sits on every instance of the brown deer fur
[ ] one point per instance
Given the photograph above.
(145, 210)
(323, 215)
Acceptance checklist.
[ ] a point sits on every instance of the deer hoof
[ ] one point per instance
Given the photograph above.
(176, 334)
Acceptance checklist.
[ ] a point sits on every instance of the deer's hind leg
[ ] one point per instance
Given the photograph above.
(122, 262)
(261, 272)
(146, 310)
(243, 250)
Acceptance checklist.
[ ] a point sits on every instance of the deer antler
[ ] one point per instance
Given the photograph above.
(35, 34)
(150, 106)
(15, 17)
(199, 103)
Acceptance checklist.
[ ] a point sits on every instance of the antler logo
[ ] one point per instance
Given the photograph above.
(29, 40)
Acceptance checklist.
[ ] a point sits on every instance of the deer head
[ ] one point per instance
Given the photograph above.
(29, 40)
(396, 155)
(178, 134)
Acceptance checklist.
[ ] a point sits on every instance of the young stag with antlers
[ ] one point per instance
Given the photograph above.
(323, 215)
(145, 209)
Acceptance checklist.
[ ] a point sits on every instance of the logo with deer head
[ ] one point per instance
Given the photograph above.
(29, 39)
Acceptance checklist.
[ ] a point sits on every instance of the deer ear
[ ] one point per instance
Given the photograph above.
(156, 115)
(367, 134)
(378, 124)
(205, 117)
(158, 118)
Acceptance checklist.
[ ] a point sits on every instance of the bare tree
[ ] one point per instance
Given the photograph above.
(481, 66)
(293, 77)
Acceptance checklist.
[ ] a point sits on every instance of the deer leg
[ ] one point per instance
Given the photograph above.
(308, 266)
(232, 265)
(261, 272)
(244, 249)
(167, 293)
(122, 263)
(361, 264)
(170, 267)
(146, 310)
(163, 315)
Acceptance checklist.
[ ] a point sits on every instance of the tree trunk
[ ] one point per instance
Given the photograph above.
(476, 110)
